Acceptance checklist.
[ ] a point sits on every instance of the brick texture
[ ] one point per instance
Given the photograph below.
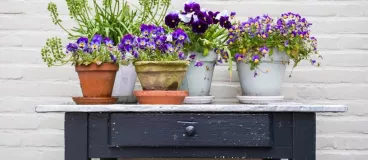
(340, 25)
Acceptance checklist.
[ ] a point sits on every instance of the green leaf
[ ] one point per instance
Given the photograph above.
(205, 52)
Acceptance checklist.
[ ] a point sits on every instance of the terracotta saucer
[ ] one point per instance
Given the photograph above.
(160, 97)
(94, 100)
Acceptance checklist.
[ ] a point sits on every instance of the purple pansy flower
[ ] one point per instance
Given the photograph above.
(146, 30)
(198, 64)
(179, 35)
(264, 50)
(199, 26)
(239, 57)
(293, 34)
(255, 58)
(313, 61)
(230, 41)
(71, 47)
(108, 42)
(192, 6)
(181, 56)
(128, 39)
(159, 40)
(286, 44)
(88, 50)
(95, 44)
(160, 31)
(172, 19)
(135, 54)
(192, 56)
(232, 15)
(82, 42)
(151, 45)
(224, 22)
(97, 38)
(169, 48)
(213, 15)
(205, 17)
(142, 42)
(113, 58)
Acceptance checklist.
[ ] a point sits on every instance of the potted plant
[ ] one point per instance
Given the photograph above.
(112, 19)
(95, 62)
(159, 62)
(207, 31)
(262, 48)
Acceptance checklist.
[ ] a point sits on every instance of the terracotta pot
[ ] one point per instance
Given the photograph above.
(160, 97)
(155, 75)
(97, 80)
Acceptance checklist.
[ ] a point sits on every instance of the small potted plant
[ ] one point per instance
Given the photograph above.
(262, 48)
(95, 61)
(159, 62)
(207, 31)
(113, 19)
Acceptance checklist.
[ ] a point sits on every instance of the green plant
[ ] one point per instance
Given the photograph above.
(112, 19)
(80, 53)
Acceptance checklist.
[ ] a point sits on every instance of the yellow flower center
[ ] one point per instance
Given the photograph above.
(256, 61)
(81, 45)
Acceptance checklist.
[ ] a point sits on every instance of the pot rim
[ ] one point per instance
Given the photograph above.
(95, 67)
(162, 62)
(154, 93)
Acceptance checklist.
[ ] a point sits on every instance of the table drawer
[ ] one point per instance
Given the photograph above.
(190, 130)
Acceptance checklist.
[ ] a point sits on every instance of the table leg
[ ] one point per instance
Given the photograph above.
(76, 136)
(304, 136)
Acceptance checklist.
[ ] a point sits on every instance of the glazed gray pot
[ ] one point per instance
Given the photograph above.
(198, 79)
(124, 84)
(265, 84)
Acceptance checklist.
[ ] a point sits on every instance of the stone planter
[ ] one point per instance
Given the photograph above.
(198, 79)
(125, 83)
(265, 84)
(156, 75)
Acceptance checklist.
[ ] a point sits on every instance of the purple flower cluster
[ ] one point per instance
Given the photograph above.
(84, 45)
(199, 19)
(153, 39)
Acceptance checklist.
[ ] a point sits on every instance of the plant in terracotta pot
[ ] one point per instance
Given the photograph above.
(262, 48)
(95, 61)
(114, 19)
(207, 31)
(159, 62)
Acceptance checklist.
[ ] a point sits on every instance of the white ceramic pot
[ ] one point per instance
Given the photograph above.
(264, 84)
(198, 79)
(125, 83)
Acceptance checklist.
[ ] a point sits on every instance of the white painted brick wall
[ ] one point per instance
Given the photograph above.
(340, 25)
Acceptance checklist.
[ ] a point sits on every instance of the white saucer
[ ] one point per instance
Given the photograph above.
(259, 99)
(198, 99)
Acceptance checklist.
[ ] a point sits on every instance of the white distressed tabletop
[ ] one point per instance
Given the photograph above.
(276, 107)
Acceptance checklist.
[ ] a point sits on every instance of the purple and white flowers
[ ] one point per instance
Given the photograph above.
(95, 50)
(198, 19)
(154, 45)
(261, 35)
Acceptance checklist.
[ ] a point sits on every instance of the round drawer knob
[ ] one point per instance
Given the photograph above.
(190, 131)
